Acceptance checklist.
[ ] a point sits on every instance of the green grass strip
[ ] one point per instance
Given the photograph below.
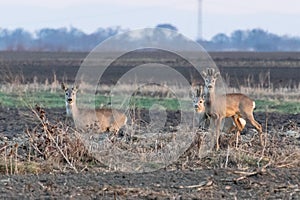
(56, 100)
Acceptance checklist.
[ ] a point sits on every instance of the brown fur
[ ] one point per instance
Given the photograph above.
(237, 106)
(107, 119)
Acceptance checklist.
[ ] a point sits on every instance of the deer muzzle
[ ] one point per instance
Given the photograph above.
(69, 100)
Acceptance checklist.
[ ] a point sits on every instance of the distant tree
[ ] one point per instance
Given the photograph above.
(261, 40)
(245, 40)
(16, 40)
(72, 39)
(237, 39)
(167, 26)
(221, 38)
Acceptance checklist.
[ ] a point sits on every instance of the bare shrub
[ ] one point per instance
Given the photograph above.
(57, 143)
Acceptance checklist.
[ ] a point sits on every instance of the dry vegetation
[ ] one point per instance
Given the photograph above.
(56, 145)
(47, 147)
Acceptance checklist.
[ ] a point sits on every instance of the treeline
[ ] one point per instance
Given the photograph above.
(49, 39)
(252, 40)
(73, 39)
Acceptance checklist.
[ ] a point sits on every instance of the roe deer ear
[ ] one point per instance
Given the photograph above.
(203, 74)
(197, 93)
(217, 74)
(192, 93)
(200, 90)
(63, 86)
(75, 87)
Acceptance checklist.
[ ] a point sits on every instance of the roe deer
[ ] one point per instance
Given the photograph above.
(237, 106)
(107, 119)
(203, 119)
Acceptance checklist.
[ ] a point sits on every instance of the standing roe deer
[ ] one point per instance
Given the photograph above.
(237, 106)
(107, 119)
(203, 118)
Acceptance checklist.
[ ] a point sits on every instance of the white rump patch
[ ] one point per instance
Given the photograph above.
(242, 121)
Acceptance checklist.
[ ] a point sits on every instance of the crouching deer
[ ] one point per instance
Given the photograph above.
(237, 106)
(106, 119)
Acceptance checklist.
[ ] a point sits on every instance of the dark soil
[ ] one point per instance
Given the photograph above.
(162, 184)
(277, 69)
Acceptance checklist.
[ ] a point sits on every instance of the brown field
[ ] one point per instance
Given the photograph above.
(284, 68)
(249, 172)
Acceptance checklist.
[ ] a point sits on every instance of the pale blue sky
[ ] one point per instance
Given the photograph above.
(276, 16)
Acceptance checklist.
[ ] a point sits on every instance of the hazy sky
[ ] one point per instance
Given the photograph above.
(276, 16)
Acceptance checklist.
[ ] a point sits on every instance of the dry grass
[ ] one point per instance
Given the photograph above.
(264, 89)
